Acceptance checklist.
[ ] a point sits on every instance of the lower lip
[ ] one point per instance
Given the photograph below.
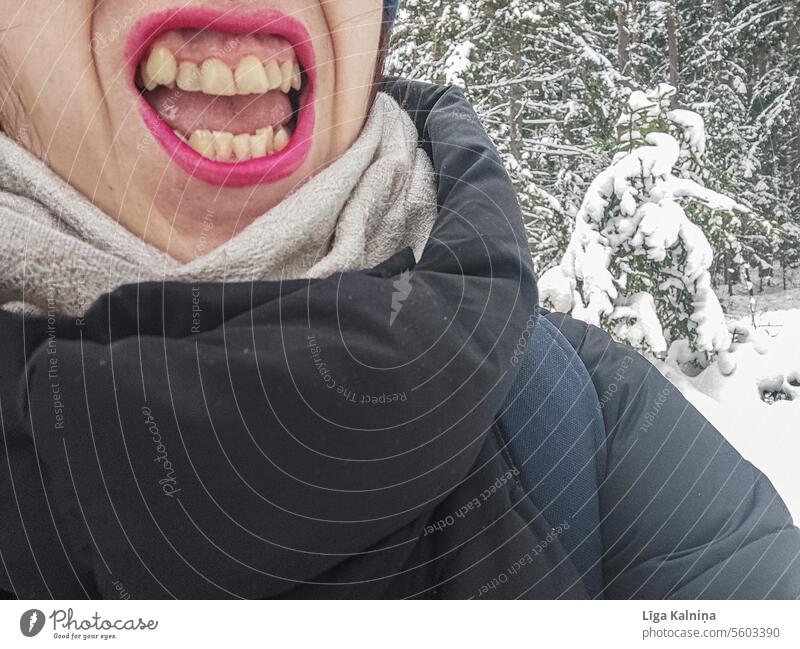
(240, 174)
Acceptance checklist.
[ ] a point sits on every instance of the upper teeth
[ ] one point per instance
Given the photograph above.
(214, 77)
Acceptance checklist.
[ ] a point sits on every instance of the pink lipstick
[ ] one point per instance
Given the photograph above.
(211, 62)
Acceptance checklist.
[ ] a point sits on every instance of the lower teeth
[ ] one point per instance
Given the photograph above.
(223, 146)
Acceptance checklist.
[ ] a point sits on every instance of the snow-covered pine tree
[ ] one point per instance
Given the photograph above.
(547, 78)
(700, 50)
(774, 28)
(539, 76)
(638, 263)
(431, 40)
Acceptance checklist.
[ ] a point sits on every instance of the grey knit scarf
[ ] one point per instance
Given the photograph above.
(59, 252)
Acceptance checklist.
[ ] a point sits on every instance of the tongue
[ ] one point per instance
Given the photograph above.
(191, 111)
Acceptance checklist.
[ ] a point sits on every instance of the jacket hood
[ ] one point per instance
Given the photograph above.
(390, 7)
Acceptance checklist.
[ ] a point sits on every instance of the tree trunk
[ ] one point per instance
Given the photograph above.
(515, 105)
(729, 276)
(673, 57)
(627, 12)
(761, 56)
(793, 50)
(783, 271)
(751, 302)
(624, 38)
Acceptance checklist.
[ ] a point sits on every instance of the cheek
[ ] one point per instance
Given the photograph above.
(355, 36)
(49, 98)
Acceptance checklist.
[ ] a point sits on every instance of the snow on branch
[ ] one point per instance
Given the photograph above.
(637, 263)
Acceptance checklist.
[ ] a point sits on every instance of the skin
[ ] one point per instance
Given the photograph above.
(66, 98)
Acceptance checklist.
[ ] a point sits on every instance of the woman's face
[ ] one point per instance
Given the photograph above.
(185, 120)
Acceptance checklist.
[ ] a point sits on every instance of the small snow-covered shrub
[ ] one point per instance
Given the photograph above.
(638, 263)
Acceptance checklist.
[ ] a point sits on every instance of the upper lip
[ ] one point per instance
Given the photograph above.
(148, 30)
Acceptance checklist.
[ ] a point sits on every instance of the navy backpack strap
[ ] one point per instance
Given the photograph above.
(553, 430)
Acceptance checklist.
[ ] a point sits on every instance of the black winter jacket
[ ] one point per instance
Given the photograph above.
(294, 444)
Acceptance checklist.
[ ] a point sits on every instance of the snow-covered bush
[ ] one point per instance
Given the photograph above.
(638, 261)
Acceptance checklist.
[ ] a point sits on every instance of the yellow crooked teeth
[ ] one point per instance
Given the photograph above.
(214, 77)
(203, 143)
(281, 139)
(161, 67)
(261, 142)
(297, 77)
(188, 77)
(251, 78)
(287, 72)
(217, 78)
(274, 75)
(241, 147)
(223, 146)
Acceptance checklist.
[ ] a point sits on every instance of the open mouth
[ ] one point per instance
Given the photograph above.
(229, 97)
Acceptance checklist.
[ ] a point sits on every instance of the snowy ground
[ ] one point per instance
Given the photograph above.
(765, 360)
